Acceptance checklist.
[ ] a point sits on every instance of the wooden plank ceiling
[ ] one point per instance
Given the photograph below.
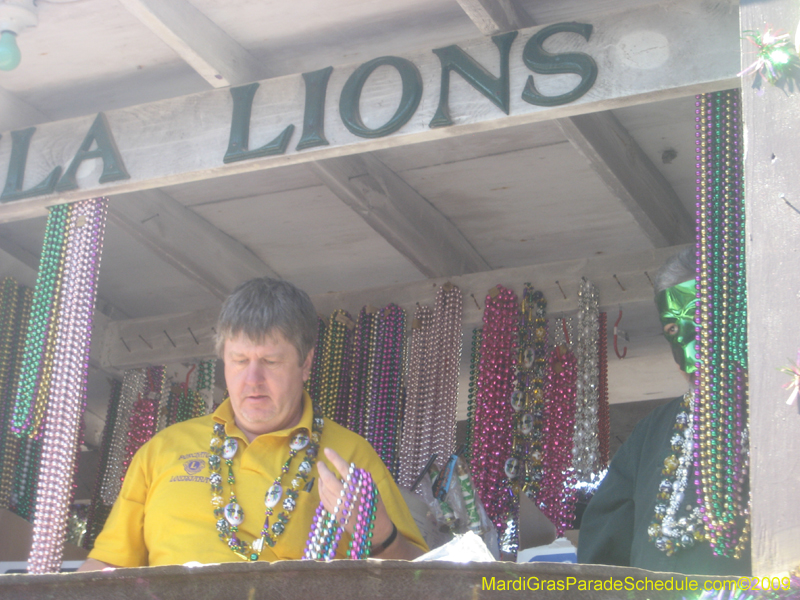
(614, 183)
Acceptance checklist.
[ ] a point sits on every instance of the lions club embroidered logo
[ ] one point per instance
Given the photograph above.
(192, 467)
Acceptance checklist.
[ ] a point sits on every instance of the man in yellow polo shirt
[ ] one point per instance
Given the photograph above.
(245, 482)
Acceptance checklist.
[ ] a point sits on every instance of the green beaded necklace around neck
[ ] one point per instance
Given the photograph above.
(230, 516)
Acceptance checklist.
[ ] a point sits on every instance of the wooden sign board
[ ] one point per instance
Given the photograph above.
(640, 55)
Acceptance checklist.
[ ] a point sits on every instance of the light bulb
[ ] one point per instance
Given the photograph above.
(9, 51)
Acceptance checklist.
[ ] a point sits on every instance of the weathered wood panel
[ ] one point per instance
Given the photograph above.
(138, 342)
(772, 195)
(346, 579)
(184, 139)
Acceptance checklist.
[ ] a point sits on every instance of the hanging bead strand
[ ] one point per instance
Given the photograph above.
(37, 359)
(586, 448)
(556, 497)
(603, 416)
(414, 446)
(132, 382)
(9, 325)
(493, 420)
(448, 316)
(474, 361)
(720, 409)
(98, 511)
(70, 371)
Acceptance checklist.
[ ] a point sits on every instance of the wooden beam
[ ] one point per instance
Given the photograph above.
(610, 149)
(772, 206)
(632, 270)
(495, 16)
(17, 114)
(217, 57)
(394, 209)
(182, 238)
(631, 176)
(185, 139)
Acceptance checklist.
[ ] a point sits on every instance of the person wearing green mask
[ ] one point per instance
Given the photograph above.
(644, 513)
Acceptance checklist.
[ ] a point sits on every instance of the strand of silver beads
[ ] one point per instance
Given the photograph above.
(132, 385)
(448, 317)
(586, 442)
(413, 445)
(68, 388)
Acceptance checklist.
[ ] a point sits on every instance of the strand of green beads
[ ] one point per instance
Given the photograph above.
(344, 356)
(474, 361)
(371, 380)
(702, 320)
(37, 357)
(8, 317)
(326, 376)
(11, 465)
(313, 383)
(97, 516)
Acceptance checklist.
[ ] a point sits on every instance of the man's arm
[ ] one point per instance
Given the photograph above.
(92, 564)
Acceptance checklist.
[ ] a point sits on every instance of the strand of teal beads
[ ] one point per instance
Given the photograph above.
(30, 404)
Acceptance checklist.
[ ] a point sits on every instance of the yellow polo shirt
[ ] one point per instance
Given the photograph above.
(164, 516)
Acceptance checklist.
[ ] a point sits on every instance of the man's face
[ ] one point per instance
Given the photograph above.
(676, 307)
(265, 383)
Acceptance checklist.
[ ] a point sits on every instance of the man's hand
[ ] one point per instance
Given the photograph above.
(330, 489)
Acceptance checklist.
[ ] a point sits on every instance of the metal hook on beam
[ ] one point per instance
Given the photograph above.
(616, 348)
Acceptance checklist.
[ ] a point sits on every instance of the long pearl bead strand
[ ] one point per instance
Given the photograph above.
(70, 371)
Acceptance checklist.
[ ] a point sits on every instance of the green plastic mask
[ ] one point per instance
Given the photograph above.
(676, 307)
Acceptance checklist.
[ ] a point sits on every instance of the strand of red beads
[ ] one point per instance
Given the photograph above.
(144, 416)
(493, 465)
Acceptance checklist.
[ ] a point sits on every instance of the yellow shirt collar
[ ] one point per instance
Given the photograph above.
(224, 414)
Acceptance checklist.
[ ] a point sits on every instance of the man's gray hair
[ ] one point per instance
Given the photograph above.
(678, 268)
(260, 307)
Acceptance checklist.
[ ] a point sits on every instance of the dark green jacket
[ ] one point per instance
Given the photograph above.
(614, 526)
